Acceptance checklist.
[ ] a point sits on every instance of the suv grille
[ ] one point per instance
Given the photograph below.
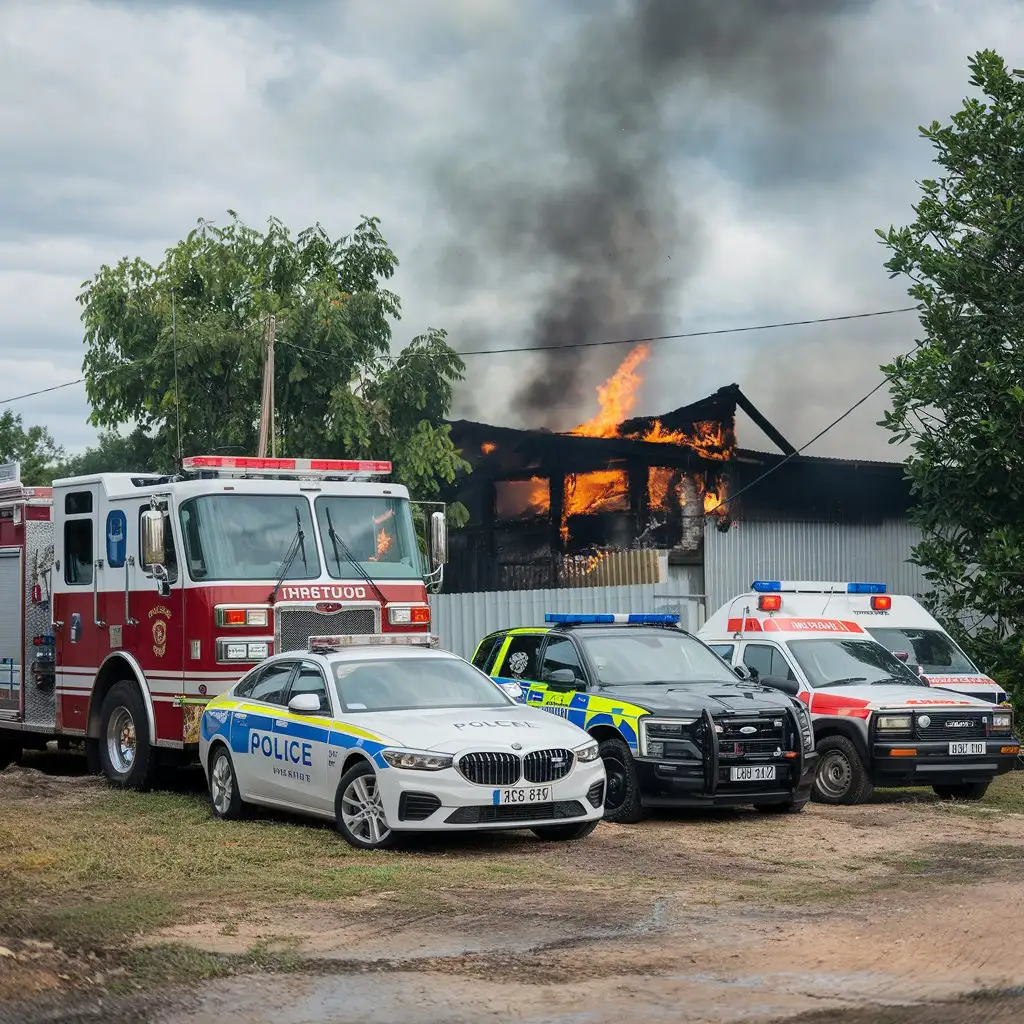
(547, 765)
(940, 727)
(296, 625)
(490, 769)
(770, 736)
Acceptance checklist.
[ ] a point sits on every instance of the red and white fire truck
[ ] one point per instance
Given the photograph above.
(128, 601)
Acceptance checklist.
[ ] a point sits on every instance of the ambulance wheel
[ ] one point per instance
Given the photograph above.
(224, 795)
(565, 833)
(841, 777)
(126, 751)
(963, 790)
(359, 811)
(622, 794)
(10, 751)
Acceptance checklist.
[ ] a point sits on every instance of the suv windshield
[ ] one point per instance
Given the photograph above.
(835, 662)
(405, 684)
(929, 648)
(665, 657)
(378, 533)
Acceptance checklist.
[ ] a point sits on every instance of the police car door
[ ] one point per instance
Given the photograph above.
(567, 700)
(304, 743)
(520, 662)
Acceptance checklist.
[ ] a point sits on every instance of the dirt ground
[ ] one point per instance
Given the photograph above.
(905, 909)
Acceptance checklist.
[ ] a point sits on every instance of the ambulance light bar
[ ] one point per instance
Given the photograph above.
(284, 467)
(585, 619)
(777, 586)
(329, 644)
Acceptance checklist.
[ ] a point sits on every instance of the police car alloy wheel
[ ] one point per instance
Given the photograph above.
(622, 795)
(360, 813)
(224, 786)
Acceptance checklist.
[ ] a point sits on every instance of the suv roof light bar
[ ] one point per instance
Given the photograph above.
(331, 644)
(229, 464)
(632, 618)
(804, 587)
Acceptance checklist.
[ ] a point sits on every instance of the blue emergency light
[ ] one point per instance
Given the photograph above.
(865, 588)
(765, 586)
(586, 619)
(778, 586)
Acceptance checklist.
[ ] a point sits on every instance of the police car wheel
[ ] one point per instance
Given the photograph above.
(564, 833)
(359, 811)
(224, 795)
(841, 777)
(784, 807)
(963, 790)
(126, 753)
(622, 793)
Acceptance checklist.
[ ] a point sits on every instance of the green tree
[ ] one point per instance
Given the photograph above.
(117, 453)
(958, 399)
(339, 390)
(34, 448)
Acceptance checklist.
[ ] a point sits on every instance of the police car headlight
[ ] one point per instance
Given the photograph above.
(1002, 722)
(417, 760)
(588, 752)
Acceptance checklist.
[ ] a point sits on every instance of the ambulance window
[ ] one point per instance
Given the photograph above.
(310, 680)
(486, 652)
(724, 651)
(521, 657)
(78, 552)
(78, 503)
(561, 653)
(272, 684)
(767, 661)
(170, 558)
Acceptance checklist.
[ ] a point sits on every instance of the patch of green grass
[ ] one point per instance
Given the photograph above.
(1005, 794)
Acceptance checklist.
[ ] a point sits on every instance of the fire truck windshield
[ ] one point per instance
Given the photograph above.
(378, 532)
(246, 537)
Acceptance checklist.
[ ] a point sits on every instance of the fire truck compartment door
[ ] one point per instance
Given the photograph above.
(12, 598)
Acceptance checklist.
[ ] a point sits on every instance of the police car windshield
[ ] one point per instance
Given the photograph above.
(830, 661)
(376, 531)
(929, 648)
(406, 684)
(622, 658)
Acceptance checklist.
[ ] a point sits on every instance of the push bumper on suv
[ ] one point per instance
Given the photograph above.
(732, 767)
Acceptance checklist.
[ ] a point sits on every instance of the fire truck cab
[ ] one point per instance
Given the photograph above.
(876, 721)
(128, 601)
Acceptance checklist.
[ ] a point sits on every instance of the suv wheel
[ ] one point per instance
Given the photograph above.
(622, 793)
(842, 777)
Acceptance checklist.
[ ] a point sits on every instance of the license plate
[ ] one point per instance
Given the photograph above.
(967, 748)
(526, 795)
(753, 773)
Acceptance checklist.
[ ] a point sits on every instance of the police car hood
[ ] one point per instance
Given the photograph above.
(896, 695)
(698, 696)
(451, 731)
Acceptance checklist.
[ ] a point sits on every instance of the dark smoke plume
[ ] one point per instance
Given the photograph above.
(602, 224)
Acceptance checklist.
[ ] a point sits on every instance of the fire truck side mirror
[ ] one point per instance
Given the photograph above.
(438, 539)
(153, 537)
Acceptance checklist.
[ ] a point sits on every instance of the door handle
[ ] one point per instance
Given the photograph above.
(281, 722)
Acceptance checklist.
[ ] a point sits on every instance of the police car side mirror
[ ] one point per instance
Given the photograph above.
(563, 679)
(743, 672)
(305, 704)
(790, 686)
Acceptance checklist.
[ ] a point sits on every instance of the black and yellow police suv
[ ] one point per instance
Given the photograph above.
(676, 726)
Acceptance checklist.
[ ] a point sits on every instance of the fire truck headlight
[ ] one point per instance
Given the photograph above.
(409, 615)
(242, 650)
(256, 617)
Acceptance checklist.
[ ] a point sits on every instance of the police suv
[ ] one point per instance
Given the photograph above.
(876, 722)
(676, 727)
(384, 735)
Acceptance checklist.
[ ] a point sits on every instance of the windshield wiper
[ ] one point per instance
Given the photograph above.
(297, 546)
(843, 682)
(336, 543)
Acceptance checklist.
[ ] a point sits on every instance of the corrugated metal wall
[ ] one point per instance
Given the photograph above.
(809, 551)
(461, 620)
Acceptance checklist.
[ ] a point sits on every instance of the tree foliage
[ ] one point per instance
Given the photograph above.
(339, 390)
(958, 398)
(33, 447)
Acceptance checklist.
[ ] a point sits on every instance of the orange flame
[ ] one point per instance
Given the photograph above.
(384, 540)
(487, 447)
(515, 499)
(616, 397)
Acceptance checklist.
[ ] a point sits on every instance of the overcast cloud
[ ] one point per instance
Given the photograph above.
(121, 123)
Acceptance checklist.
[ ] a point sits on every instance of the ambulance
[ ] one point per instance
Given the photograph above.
(876, 721)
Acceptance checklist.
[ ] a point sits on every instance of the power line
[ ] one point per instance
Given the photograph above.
(41, 391)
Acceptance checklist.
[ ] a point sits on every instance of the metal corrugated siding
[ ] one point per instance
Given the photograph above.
(809, 551)
(462, 620)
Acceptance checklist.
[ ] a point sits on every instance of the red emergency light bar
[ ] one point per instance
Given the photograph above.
(298, 467)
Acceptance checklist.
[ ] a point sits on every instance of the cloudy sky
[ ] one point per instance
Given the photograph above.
(547, 171)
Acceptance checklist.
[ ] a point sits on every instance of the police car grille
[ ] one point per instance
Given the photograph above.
(488, 768)
(547, 765)
(296, 625)
(516, 812)
(938, 729)
(768, 738)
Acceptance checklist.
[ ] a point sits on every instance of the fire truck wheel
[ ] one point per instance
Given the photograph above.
(224, 794)
(126, 752)
(841, 777)
(564, 833)
(359, 812)
(10, 751)
(963, 790)
(622, 797)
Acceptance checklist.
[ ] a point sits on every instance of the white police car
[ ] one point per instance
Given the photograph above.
(384, 735)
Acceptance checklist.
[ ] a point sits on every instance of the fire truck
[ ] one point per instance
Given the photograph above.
(129, 600)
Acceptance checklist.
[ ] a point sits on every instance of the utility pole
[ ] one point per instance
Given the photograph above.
(267, 402)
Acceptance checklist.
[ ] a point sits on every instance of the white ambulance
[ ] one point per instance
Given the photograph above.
(876, 721)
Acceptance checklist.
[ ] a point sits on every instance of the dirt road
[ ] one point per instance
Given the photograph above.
(859, 914)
